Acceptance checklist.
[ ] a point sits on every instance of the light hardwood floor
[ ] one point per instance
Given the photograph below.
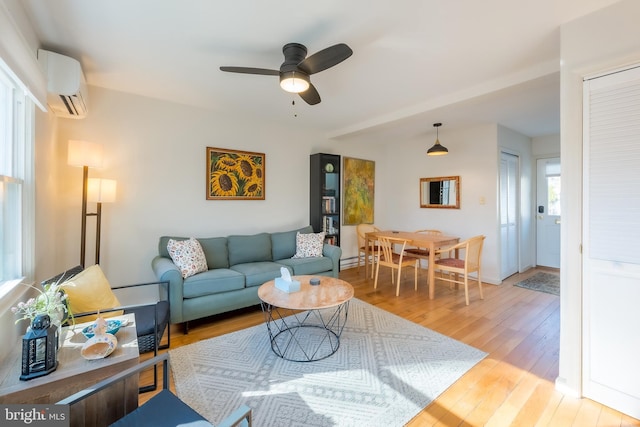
(518, 328)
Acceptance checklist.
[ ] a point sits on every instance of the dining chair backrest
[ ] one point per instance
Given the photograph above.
(473, 253)
(386, 249)
(362, 230)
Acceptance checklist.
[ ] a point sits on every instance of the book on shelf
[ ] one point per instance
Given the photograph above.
(328, 225)
(331, 240)
(328, 204)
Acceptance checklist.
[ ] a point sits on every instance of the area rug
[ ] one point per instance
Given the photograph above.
(543, 282)
(385, 372)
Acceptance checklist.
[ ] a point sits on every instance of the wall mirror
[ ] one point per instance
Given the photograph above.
(440, 192)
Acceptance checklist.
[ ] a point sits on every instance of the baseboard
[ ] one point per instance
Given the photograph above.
(562, 387)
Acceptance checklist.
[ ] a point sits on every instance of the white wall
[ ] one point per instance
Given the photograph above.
(601, 41)
(545, 146)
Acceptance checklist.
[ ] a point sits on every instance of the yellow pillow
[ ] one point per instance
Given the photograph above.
(90, 291)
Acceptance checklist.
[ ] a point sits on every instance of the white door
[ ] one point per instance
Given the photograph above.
(611, 240)
(509, 176)
(548, 213)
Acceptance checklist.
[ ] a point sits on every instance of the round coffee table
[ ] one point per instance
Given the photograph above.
(306, 325)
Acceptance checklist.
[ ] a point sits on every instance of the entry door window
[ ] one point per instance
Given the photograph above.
(553, 188)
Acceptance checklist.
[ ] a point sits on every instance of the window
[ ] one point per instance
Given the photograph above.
(16, 182)
(552, 172)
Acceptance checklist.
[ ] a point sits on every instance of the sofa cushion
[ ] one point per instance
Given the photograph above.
(215, 249)
(309, 245)
(256, 273)
(188, 256)
(302, 266)
(254, 248)
(283, 244)
(212, 282)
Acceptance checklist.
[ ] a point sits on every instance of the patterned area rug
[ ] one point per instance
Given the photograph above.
(543, 282)
(386, 370)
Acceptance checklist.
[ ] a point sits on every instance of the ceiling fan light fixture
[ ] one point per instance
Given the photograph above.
(294, 82)
(437, 149)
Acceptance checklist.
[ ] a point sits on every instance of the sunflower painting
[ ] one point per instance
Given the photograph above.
(359, 184)
(234, 175)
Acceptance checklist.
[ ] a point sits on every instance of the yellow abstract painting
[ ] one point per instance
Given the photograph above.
(359, 185)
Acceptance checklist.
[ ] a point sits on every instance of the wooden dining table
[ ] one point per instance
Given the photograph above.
(421, 240)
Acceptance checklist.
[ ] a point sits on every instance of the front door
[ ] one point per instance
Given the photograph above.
(548, 213)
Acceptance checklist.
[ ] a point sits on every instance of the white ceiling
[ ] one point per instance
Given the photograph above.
(415, 62)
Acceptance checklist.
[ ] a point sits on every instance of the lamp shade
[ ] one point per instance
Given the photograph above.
(294, 82)
(437, 149)
(83, 153)
(101, 190)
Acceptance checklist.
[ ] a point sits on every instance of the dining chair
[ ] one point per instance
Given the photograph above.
(422, 253)
(455, 266)
(388, 258)
(361, 230)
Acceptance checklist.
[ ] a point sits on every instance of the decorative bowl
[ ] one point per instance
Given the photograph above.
(113, 326)
(99, 346)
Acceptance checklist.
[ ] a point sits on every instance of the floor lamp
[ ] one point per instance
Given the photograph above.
(100, 191)
(86, 155)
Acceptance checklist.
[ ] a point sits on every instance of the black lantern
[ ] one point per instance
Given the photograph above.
(39, 348)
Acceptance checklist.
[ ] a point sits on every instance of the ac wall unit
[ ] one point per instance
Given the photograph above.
(66, 88)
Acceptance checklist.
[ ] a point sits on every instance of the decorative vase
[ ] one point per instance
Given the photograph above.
(56, 320)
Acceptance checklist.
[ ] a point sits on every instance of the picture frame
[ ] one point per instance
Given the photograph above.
(235, 175)
(358, 191)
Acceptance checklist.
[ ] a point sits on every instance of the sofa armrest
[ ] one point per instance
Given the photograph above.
(166, 271)
(333, 252)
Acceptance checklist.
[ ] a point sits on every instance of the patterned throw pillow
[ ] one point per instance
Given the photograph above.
(188, 256)
(309, 245)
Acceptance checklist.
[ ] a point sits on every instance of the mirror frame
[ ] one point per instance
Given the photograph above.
(424, 187)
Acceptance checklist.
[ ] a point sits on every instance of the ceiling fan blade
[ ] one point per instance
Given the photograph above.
(311, 95)
(326, 58)
(249, 70)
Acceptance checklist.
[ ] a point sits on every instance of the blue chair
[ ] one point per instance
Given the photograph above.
(163, 409)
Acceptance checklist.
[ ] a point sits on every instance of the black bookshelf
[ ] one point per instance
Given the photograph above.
(324, 196)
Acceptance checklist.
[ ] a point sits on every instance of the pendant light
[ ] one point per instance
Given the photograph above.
(437, 149)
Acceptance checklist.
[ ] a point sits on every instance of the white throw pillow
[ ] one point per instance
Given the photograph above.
(188, 256)
(309, 245)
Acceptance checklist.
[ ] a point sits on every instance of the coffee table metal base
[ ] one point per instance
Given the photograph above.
(305, 336)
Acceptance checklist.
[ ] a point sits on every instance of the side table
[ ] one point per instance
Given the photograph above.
(74, 373)
(305, 326)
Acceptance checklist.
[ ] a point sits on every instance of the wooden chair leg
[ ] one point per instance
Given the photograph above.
(415, 279)
(375, 282)
(373, 262)
(398, 285)
(466, 288)
(480, 285)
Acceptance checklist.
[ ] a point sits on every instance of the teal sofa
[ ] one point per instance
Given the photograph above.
(238, 265)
